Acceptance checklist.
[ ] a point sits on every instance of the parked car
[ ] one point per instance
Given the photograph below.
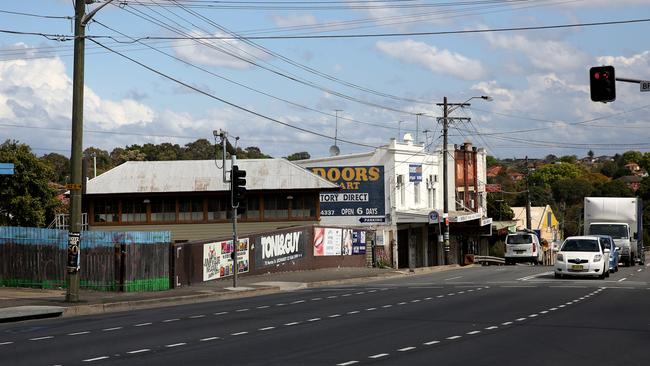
(614, 252)
(582, 256)
(523, 246)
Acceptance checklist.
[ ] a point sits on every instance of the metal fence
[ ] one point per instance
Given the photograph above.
(110, 261)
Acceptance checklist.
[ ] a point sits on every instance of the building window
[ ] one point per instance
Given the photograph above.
(190, 209)
(134, 210)
(252, 204)
(105, 211)
(276, 206)
(303, 206)
(163, 210)
(416, 195)
(432, 198)
(219, 208)
(402, 190)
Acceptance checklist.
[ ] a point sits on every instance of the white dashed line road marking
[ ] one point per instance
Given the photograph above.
(95, 359)
(387, 306)
(5, 343)
(552, 309)
(506, 323)
(561, 306)
(139, 351)
(347, 363)
(41, 338)
(78, 333)
(520, 319)
(430, 343)
(353, 312)
(533, 315)
(280, 304)
(332, 297)
(452, 338)
(452, 278)
(317, 299)
(241, 310)
(334, 316)
(379, 355)
(371, 309)
(543, 312)
(639, 270)
(346, 295)
(221, 313)
(175, 345)
(416, 300)
(263, 307)
(267, 328)
(170, 320)
(359, 293)
(427, 298)
(142, 324)
(405, 349)
(208, 339)
(313, 319)
(297, 302)
(401, 303)
(474, 332)
(292, 323)
(111, 329)
(239, 333)
(439, 296)
(492, 327)
(197, 316)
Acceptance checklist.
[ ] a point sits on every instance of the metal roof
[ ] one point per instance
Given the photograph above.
(201, 176)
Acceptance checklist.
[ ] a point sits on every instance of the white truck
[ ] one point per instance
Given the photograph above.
(622, 219)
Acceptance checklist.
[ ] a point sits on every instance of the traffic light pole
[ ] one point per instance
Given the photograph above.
(235, 240)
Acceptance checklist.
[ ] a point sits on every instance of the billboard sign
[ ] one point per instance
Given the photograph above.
(327, 241)
(361, 194)
(218, 262)
(415, 172)
(277, 248)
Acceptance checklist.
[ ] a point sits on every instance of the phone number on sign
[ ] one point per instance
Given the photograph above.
(351, 212)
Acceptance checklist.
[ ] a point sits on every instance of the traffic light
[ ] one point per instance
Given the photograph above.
(602, 82)
(238, 185)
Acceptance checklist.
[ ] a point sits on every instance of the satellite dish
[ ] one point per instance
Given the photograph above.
(334, 150)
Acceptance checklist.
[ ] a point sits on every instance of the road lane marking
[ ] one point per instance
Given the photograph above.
(266, 328)
(208, 339)
(552, 309)
(492, 327)
(430, 343)
(428, 298)
(416, 300)
(346, 295)
(241, 310)
(371, 309)
(41, 338)
(439, 296)
(347, 363)
(379, 355)
(332, 297)
(95, 359)
(297, 302)
(292, 323)
(221, 313)
(139, 351)
(506, 323)
(453, 337)
(197, 316)
(622, 279)
(263, 307)
(452, 278)
(313, 319)
(405, 349)
(639, 270)
(175, 345)
(353, 312)
(317, 299)
(142, 324)
(5, 343)
(281, 304)
(387, 306)
(533, 315)
(543, 312)
(401, 303)
(111, 329)
(239, 333)
(78, 333)
(170, 320)
(334, 316)
(474, 332)
(520, 319)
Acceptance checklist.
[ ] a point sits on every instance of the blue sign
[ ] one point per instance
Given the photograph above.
(361, 195)
(358, 242)
(415, 172)
(6, 168)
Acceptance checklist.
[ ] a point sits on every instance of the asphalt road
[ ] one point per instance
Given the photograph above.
(510, 315)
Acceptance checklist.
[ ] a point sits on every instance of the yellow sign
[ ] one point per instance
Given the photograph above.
(72, 186)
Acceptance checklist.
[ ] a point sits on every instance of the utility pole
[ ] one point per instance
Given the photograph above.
(74, 230)
(445, 174)
(528, 219)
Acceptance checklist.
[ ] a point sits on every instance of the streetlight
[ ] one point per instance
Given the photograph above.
(445, 187)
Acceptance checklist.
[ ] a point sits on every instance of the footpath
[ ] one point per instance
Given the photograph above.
(18, 304)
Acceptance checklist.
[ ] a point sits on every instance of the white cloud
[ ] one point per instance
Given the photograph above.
(294, 20)
(439, 61)
(218, 52)
(544, 55)
(638, 63)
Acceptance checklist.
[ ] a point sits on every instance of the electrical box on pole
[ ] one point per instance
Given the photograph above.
(238, 185)
(602, 83)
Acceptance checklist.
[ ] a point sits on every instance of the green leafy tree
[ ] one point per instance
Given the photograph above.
(299, 156)
(632, 157)
(200, 149)
(571, 191)
(547, 174)
(59, 166)
(608, 168)
(491, 161)
(104, 163)
(498, 209)
(26, 198)
(615, 188)
(571, 159)
(590, 154)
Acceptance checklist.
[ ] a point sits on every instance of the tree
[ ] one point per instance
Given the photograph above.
(571, 159)
(550, 159)
(200, 149)
(59, 166)
(608, 168)
(590, 154)
(615, 188)
(491, 161)
(498, 209)
(92, 154)
(550, 173)
(632, 157)
(571, 191)
(299, 156)
(25, 197)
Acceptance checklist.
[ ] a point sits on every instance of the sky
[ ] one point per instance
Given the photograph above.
(293, 76)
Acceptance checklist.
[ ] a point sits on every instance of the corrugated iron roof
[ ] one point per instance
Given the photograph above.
(203, 175)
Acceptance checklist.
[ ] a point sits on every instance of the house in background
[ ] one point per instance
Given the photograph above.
(542, 219)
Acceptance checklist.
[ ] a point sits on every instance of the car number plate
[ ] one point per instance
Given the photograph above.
(576, 267)
(519, 251)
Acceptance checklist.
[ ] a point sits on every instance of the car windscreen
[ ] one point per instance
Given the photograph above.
(580, 245)
(519, 239)
(616, 231)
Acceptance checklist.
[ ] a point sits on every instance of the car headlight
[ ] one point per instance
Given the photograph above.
(560, 257)
(597, 258)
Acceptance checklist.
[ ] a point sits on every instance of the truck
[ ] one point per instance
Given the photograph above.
(622, 219)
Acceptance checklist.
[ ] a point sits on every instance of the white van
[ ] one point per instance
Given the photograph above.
(523, 246)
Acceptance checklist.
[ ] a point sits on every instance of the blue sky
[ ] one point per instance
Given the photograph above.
(538, 79)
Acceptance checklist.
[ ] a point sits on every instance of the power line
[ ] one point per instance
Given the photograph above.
(36, 15)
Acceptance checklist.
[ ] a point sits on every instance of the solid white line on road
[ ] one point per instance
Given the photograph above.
(221, 313)
(267, 328)
(353, 312)
(41, 338)
(430, 343)
(175, 345)
(347, 363)
(313, 320)
(5, 343)
(208, 339)
(95, 359)
(263, 307)
(111, 329)
(452, 278)
(506, 323)
(241, 310)
(405, 349)
(239, 333)
(142, 324)
(197, 316)
(474, 332)
(379, 355)
(492, 327)
(139, 351)
(453, 337)
(78, 333)
(292, 323)
(170, 320)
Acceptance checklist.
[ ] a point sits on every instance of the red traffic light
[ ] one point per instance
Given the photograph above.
(602, 83)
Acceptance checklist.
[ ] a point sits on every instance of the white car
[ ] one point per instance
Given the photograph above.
(582, 256)
(523, 246)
